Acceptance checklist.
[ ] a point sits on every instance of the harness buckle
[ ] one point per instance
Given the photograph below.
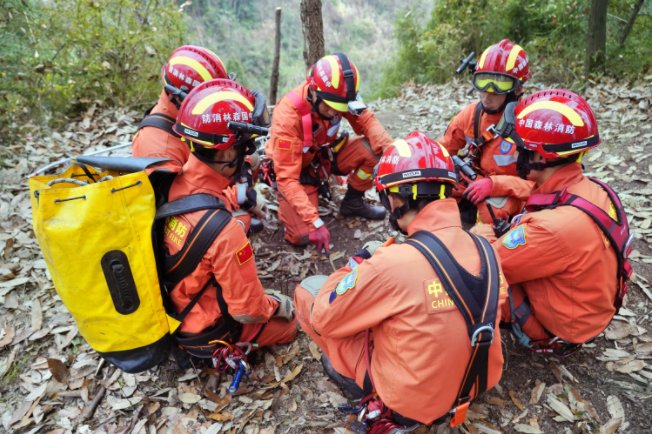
(481, 329)
(459, 414)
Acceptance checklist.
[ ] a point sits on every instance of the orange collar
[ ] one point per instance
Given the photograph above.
(436, 215)
(566, 176)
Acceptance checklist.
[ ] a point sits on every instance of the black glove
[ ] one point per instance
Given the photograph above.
(260, 115)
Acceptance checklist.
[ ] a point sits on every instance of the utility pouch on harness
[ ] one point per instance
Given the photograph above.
(477, 301)
(95, 230)
(616, 230)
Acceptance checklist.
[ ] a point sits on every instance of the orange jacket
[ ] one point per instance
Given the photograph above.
(285, 146)
(498, 155)
(421, 345)
(230, 258)
(154, 142)
(563, 261)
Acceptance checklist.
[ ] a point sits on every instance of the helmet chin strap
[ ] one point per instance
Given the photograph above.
(315, 107)
(396, 214)
(524, 166)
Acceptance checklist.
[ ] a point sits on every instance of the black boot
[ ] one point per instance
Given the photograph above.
(353, 204)
(346, 384)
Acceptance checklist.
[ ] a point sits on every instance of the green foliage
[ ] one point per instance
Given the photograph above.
(108, 53)
(553, 33)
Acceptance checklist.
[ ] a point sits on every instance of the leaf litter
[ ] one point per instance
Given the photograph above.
(50, 380)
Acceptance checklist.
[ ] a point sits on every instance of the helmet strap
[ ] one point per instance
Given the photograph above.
(315, 106)
(524, 166)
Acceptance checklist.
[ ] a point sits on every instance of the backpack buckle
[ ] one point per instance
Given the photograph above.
(459, 414)
(485, 328)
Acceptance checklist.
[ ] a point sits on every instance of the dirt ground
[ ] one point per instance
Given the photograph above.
(52, 382)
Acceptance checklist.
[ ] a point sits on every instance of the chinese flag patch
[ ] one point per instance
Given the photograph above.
(284, 145)
(245, 253)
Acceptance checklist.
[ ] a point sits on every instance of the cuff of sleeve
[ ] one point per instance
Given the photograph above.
(318, 223)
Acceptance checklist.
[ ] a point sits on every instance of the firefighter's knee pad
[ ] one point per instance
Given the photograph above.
(313, 284)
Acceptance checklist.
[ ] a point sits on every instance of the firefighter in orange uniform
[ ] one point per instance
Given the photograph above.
(187, 67)
(564, 275)
(232, 304)
(305, 149)
(499, 76)
(394, 298)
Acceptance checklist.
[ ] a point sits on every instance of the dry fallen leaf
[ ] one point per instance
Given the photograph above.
(537, 391)
(59, 370)
(314, 350)
(561, 408)
(615, 407)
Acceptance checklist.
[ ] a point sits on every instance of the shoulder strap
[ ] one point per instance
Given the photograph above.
(160, 121)
(478, 305)
(477, 114)
(616, 231)
(305, 111)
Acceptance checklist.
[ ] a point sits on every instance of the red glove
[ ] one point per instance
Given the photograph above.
(479, 190)
(320, 238)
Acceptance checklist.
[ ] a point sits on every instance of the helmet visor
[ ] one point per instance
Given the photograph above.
(495, 83)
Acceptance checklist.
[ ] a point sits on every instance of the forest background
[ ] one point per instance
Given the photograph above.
(59, 57)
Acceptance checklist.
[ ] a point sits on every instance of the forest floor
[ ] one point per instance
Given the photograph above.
(52, 382)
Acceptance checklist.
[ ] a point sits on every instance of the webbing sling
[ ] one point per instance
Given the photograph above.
(477, 301)
(616, 231)
(179, 265)
(305, 111)
(160, 121)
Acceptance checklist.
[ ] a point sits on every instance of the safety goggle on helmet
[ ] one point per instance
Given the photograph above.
(335, 79)
(217, 114)
(414, 167)
(502, 68)
(555, 123)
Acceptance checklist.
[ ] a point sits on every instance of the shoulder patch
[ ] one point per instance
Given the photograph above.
(514, 238)
(347, 282)
(245, 253)
(284, 145)
(505, 147)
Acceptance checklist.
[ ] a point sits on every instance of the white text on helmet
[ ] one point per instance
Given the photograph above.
(190, 132)
(411, 174)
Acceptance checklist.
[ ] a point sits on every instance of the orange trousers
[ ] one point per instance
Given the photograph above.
(346, 354)
(355, 159)
(276, 331)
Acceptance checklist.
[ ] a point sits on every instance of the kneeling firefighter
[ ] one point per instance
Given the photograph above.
(411, 329)
(223, 296)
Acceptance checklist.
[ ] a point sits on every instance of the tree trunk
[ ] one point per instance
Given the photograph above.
(597, 38)
(313, 31)
(630, 21)
(273, 85)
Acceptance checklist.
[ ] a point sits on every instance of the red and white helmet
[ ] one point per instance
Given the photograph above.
(410, 164)
(502, 68)
(206, 112)
(335, 79)
(188, 66)
(555, 123)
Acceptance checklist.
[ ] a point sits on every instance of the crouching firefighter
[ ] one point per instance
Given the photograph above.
(305, 149)
(222, 298)
(565, 257)
(411, 329)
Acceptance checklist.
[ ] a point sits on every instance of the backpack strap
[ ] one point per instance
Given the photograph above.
(305, 111)
(477, 114)
(616, 231)
(179, 265)
(160, 121)
(477, 301)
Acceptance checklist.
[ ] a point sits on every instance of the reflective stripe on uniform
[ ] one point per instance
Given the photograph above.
(505, 160)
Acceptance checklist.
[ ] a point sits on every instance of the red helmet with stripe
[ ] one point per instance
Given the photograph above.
(502, 68)
(188, 66)
(206, 112)
(335, 79)
(414, 159)
(555, 123)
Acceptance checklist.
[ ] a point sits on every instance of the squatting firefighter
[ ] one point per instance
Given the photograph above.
(305, 149)
(566, 279)
(233, 305)
(499, 76)
(386, 322)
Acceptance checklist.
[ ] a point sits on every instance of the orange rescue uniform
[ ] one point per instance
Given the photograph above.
(229, 259)
(154, 142)
(563, 263)
(420, 340)
(497, 157)
(356, 158)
